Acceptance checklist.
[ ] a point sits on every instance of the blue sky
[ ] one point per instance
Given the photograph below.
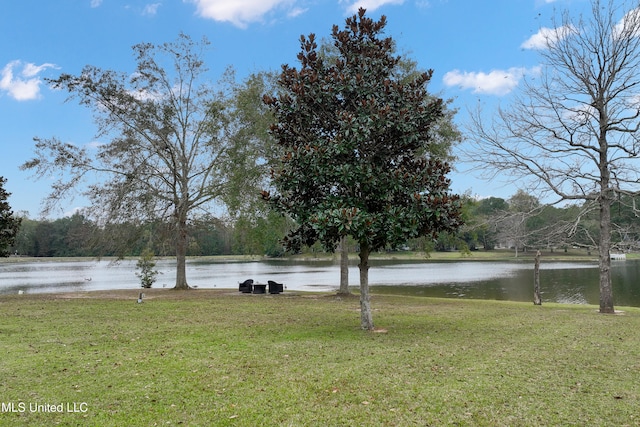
(479, 51)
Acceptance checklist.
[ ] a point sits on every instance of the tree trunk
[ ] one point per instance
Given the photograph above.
(605, 199)
(537, 299)
(344, 267)
(606, 291)
(181, 253)
(366, 318)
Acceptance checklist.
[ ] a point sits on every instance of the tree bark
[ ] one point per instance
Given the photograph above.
(366, 318)
(537, 299)
(604, 257)
(181, 253)
(344, 267)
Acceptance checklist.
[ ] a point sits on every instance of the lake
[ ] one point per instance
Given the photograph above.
(565, 282)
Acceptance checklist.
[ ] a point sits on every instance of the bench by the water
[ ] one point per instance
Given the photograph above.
(249, 286)
(246, 287)
(275, 287)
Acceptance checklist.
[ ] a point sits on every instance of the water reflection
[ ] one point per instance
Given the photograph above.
(566, 282)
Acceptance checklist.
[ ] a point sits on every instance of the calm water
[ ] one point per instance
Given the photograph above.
(567, 282)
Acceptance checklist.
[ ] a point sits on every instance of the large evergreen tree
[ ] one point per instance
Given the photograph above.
(9, 224)
(354, 135)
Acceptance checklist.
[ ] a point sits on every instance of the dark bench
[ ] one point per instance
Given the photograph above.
(275, 287)
(249, 287)
(246, 287)
(259, 289)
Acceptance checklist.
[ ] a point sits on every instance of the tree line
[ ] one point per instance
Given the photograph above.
(520, 223)
(79, 236)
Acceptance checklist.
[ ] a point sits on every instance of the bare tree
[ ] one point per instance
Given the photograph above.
(572, 131)
(173, 144)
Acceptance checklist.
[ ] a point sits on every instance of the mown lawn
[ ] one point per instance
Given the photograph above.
(217, 358)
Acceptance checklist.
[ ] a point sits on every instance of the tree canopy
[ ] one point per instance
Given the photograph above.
(354, 134)
(174, 142)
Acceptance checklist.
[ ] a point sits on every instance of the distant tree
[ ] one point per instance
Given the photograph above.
(25, 238)
(573, 131)
(624, 222)
(354, 139)
(9, 223)
(483, 223)
(174, 149)
(514, 224)
(208, 233)
(553, 227)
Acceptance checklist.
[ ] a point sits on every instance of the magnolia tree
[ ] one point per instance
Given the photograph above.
(354, 136)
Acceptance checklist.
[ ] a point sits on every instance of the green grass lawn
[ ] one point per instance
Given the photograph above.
(217, 358)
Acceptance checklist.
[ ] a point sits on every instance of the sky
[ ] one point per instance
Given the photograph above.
(479, 50)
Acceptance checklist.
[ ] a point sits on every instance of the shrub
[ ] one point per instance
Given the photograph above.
(146, 263)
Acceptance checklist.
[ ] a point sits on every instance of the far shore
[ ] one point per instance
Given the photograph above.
(479, 255)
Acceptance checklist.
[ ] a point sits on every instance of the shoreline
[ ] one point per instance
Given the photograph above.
(495, 255)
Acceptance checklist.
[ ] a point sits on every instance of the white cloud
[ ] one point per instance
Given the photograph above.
(93, 145)
(370, 5)
(629, 24)
(546, 37)
(25, 85)
(151, 9)
(239, 12)
(297, 11)
(496, 82)
(96, 3)
(582, 113)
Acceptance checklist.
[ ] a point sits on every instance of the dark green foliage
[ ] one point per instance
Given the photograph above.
(9, 224)
(260, 234)
(78, 236)
(355, 139)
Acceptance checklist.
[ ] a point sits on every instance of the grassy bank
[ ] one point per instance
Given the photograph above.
(203, 358)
